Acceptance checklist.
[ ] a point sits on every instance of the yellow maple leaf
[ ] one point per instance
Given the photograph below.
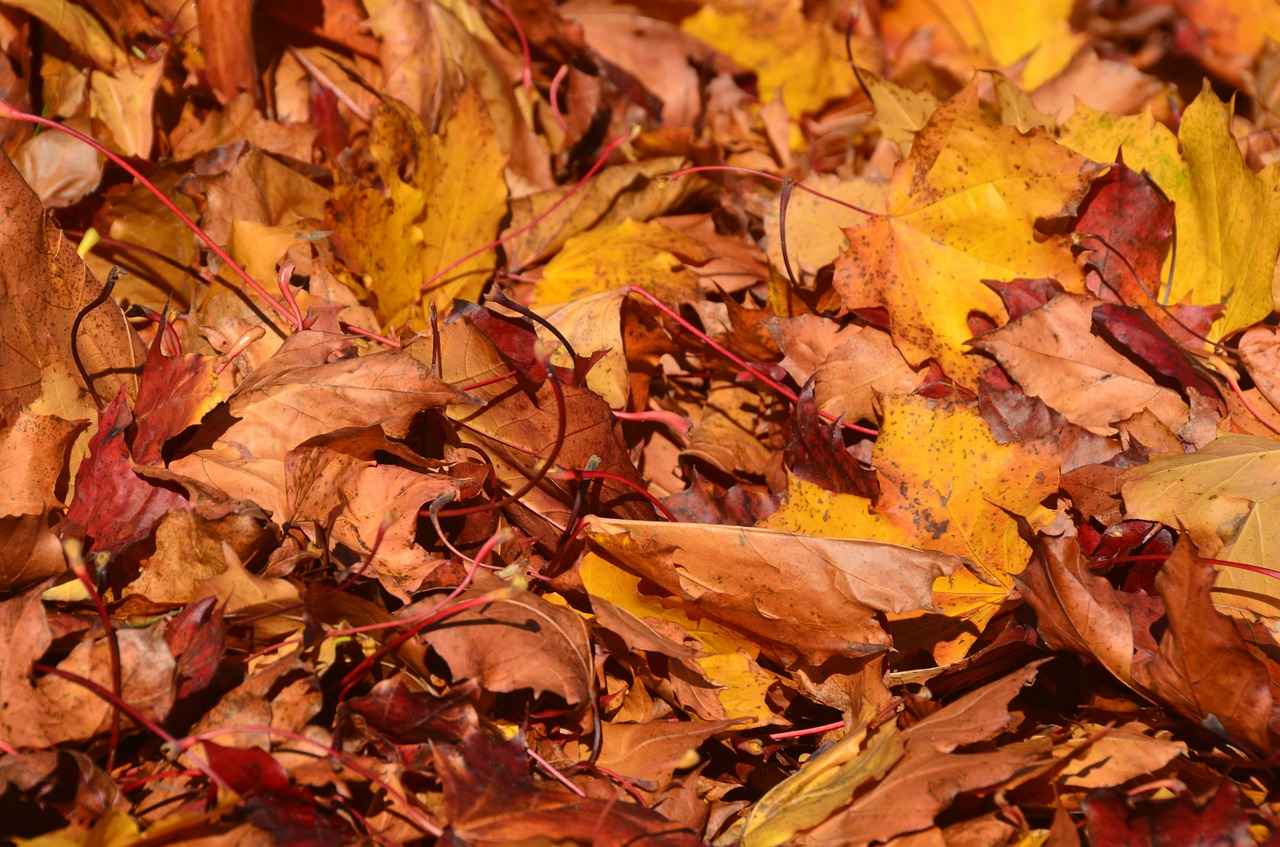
(1228, 217)
(962, 208)
(946, 485)
(613, 256)
(900, 111)
(953, 486)
(444, 197)
(1008, 33)
(803, 60)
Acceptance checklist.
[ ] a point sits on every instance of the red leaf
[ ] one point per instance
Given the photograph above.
(114, 505)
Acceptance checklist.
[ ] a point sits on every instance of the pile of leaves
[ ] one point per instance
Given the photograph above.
(432, 422)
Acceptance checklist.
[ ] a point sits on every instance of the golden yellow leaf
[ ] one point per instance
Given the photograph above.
(1039, 33)
(541, 223)
(444, 198)
(630, 252)
(962, 208)
(953, 486)
(900, 111)
(803, 60)
(811, 509)
(258, 247)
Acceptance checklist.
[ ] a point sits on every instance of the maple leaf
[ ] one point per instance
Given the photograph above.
(444, 197)
(1038, 38)
(956, 215)
(802, 61)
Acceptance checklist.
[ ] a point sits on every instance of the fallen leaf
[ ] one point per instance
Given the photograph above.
(1038, 38)
(732, 574)
(43, 287)
(930, 775)
(1223, 495)
(443, 198)
(605, 258)
(1221, 207)
(956, 215)
(801, 60)
(542, 223)
(1054, 355)
(726, 660)
(516, 641)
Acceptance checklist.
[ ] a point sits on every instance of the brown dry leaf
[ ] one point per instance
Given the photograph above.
(381, 485)
(147, 674)
(279, 692)
(242, 183)
(491, 801)
(1054, 355)
(43, 286)
(1076, 610)
(193, 560)
(796, 594)
(306, 390)
(1121, 754)
(33, 450)
(650, 49)
(24, 628)
(1260, 354)
(56, 710)
(726, 437)
(931, 775)
(123, 102)
(518, 640)
(241, 121)
(59, 168)
(851, 367)
(514, 427)
(1202, 667)
(654, 751)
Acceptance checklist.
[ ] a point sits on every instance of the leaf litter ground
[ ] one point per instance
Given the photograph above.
(666, 424)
